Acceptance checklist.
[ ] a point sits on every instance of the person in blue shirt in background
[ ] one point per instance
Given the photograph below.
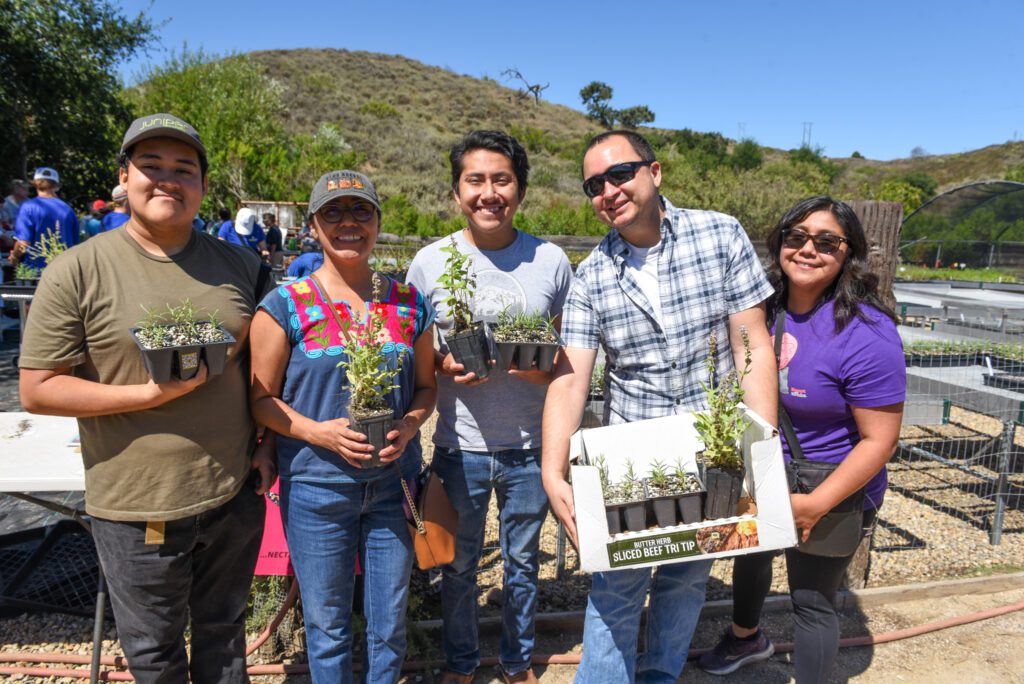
(40, 215)
(244, 232)
(304, 264)
(92, 225)
(121, 211)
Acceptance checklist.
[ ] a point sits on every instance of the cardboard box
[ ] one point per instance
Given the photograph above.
(767, 525)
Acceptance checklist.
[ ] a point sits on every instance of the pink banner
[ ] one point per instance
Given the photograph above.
(274, 558)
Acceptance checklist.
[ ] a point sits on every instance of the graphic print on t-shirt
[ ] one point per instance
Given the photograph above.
(496, 291)
(786, 354)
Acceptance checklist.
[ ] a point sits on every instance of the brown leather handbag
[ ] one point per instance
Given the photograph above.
(434, 522)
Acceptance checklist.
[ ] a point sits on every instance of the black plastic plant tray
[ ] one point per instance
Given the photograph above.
(50, 569)
(1009, 381)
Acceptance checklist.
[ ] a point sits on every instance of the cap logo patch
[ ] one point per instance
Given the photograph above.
(161, 121)
(356, 183)
(344, 183)
(331, 185)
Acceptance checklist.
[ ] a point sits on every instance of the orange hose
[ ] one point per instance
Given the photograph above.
(289, 601)
(412, 665)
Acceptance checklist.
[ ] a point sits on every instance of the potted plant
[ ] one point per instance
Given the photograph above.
(611, 494)
(634, 509)
(26, 276)
(721, 428)
(370, 378)
(690, 493)
(662, 493)
(467, 340)
(526, 340)
(173, 341)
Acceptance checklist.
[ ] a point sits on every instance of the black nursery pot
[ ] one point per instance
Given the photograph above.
(635, 514)
(691, 506)
(526, 354)
(182, 362)
(614, 516)
(471, 349)
(665, 510)
(723, 492)
(593, 413)
(376, 429)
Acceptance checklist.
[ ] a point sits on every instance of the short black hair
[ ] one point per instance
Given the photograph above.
(495, 141)
(636, 141)
(125, 157)
(224, 213)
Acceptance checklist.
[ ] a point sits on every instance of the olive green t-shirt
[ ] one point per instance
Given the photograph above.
(191, 454)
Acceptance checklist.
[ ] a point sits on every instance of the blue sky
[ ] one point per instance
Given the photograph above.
(877, 77)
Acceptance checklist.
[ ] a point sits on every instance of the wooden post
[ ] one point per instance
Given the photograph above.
(882, 222)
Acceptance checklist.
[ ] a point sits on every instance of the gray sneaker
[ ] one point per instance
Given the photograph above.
(732, 653)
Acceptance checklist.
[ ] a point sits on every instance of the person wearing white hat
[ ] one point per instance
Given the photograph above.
(244, 232)
(42, 215)
(121, 212)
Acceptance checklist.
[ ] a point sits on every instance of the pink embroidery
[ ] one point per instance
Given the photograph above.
(320, 331)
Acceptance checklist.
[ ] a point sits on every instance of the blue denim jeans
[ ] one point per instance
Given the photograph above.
(326, 525)
(613, 623)
(469, 477)
(200, 575)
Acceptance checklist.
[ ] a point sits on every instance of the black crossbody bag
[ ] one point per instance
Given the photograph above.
(839, 531)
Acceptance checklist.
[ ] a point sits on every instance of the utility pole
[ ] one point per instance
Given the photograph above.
(806, 141)
(741, 130)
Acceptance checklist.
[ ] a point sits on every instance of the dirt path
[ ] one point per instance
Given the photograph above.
(982, 652)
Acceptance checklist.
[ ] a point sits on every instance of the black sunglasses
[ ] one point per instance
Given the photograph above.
(826, 243)
(333, 213)
(618, 174)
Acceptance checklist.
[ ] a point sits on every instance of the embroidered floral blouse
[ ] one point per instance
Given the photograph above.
(316, 387)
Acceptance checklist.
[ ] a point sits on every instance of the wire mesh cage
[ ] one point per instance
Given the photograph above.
(48, 569)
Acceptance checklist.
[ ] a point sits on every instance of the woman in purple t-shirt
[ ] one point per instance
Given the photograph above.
(842, 380)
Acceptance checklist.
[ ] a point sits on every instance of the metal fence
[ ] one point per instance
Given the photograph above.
(962, 442)
(964, 254)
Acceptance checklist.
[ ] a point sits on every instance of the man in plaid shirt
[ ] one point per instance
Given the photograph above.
(650, 294)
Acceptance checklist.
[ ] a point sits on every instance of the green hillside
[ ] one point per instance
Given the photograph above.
(404, 116)
(395, 118)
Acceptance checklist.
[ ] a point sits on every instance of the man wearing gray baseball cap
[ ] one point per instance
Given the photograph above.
(176, 527)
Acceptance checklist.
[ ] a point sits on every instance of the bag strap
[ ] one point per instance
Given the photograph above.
(420, 529)
(785, 422)
(329, 303)
(334, 312)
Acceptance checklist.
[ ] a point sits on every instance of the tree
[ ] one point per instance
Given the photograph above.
(233, 105)
(534, 89)
(919, 179)
(747, 155)
(238, 110)
(60, 102)
(631, 117)
(596, 97)
(918, 152)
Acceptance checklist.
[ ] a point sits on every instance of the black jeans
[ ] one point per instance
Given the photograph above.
(813, 584)
(204, 569)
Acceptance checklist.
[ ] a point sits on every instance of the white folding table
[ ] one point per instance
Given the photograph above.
(40, 454)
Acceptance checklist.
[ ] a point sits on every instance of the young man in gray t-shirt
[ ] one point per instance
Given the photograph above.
(488, 431)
